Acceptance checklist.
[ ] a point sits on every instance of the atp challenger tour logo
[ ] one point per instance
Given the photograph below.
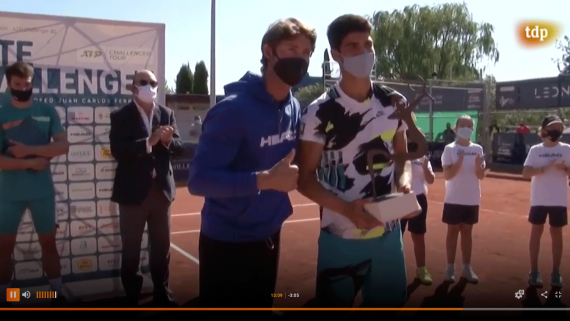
(537, 33)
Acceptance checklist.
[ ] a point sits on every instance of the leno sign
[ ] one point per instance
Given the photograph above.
(533, 93)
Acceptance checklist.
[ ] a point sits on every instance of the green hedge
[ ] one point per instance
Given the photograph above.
(440, 119)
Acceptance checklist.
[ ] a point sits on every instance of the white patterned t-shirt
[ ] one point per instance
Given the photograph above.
(348, 130)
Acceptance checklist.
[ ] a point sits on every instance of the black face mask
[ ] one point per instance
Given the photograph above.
(291, 70)
(553, 135)
(21, 95)
(412, 147)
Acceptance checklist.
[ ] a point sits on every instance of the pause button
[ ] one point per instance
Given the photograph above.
(13, 295)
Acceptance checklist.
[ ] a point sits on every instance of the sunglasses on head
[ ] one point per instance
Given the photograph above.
(153, 84)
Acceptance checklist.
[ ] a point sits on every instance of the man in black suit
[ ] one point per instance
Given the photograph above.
(143, 139)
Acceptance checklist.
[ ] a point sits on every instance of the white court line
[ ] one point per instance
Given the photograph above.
(313, 204)
(198, 213)
(486, 210)
(184, 253)
(288, 221)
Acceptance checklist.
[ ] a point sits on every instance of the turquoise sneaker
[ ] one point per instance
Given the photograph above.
(556, 279)
(535, 280)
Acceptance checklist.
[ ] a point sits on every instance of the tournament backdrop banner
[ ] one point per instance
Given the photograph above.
(462, 97)
(82, 67)
(534, 93)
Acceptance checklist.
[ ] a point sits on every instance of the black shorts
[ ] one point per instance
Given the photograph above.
(454, 214)
(417, 225)
(557, 215)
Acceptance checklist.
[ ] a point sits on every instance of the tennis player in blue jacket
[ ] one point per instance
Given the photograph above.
(243, 167)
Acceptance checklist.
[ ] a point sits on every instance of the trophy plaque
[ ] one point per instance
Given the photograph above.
(392, 206)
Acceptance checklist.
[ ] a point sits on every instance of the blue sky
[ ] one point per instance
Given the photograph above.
(242, 23)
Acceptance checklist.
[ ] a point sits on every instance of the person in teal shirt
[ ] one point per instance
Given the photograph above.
(30, 135)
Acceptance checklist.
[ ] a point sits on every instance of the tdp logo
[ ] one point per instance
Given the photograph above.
(535, 33)
(91, 54)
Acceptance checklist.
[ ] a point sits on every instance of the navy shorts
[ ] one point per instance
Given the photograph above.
(417, 225)
(454, 214)
(557, 215)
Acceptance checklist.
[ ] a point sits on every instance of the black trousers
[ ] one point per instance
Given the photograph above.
(155, 212)
(238, 275)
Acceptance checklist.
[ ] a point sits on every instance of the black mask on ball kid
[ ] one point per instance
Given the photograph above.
(553, 134)
(291, 70)
(21, 95)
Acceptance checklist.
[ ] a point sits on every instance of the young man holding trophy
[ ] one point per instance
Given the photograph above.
(352, 156)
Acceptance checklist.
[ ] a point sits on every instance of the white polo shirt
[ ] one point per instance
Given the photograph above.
(464, 188)
(419, 184)
(551, 187)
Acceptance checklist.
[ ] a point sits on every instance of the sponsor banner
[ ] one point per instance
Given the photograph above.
(82, 68)
(181, 164)
(468, 96)
(533, 93)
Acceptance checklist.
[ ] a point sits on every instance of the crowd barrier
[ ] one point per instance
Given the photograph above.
(181, 164)
(435, 149)
(512, 148)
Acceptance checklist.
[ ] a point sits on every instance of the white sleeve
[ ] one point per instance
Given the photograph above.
(483, 164)
(311, 128)
(391, 92)
(148, 147)
(429, 165)
(530, 160)
(446, 156)
(402, 126)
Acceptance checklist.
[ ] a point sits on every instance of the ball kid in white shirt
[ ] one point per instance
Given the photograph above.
(463, 167)
(422, 176)
(547, 167)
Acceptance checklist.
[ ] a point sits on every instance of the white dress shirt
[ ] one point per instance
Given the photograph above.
(147, 120)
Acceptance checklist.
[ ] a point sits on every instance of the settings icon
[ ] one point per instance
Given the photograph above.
(519, 294)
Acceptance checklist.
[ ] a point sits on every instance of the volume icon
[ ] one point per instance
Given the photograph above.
(27, 294)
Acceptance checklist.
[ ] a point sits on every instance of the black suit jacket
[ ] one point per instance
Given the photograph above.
(133, 177)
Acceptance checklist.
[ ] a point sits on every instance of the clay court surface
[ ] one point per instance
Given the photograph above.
(500, 252)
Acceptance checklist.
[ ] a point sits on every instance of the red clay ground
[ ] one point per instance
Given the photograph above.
(500, 253)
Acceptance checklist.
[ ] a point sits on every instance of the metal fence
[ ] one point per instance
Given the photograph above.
(452, 99)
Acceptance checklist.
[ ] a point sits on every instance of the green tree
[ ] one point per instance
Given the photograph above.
(563, 63)
(184, 80)
(308, 94)
(412, 41)
(167, 89)
(200, 79)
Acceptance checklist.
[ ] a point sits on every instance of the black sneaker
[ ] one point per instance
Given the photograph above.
(59, 302)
